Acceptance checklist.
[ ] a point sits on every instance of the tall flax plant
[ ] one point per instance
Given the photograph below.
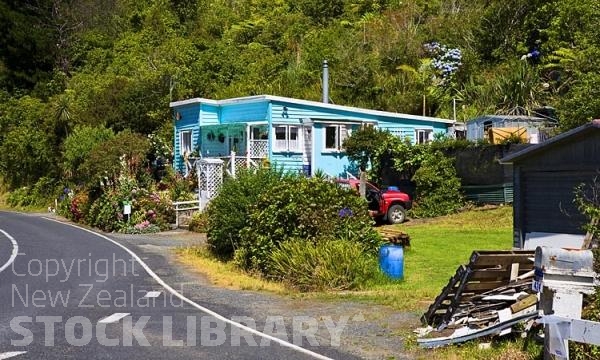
(517, 89)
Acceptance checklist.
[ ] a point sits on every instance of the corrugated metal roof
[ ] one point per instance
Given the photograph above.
(249, 99)
(508, 117)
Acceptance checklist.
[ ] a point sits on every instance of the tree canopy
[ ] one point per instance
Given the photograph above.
(116, 64)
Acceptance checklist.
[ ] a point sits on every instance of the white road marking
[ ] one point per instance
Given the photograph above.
(8, 355)
(113, 318)
(15, 251)
(153, 294)
(197, 306)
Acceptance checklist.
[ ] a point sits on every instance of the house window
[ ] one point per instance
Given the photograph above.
(335, 136)
(423, 136)
(287, 138)
(186, 142)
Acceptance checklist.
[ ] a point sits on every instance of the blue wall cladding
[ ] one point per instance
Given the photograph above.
(209, 115)
(252, 111)
(292, 113)
(188, 121)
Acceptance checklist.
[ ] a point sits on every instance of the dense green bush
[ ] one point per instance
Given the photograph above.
(198, 222)
(327, 265)
(228, 211)
(438, 187)
(78, 145)
(124, 154)
(312, 209)
(21, 197)
(104, 212)
(180, 188)
(41, 194)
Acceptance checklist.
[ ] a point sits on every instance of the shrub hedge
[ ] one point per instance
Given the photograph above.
(308, 232)
(311, 209)
(228, 212)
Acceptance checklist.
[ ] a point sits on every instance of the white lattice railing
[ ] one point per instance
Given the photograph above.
(258, 148)
(239, 162)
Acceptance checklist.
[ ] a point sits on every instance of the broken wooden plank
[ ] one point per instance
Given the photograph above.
(514, 271)
(456, 298)
(484, 286)
(524, 303)
(428, 317)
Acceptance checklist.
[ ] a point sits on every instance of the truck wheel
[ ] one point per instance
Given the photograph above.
(396, 214)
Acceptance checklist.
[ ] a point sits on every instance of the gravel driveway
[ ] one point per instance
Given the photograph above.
(372, 331)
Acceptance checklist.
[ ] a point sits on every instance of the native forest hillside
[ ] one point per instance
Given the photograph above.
(116, 64)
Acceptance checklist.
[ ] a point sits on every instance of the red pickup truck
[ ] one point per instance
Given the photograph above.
(389, 205)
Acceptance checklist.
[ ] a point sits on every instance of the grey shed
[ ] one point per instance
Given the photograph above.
(545, 176)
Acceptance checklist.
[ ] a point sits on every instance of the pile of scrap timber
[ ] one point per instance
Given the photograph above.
(488, 296)
(394, 236)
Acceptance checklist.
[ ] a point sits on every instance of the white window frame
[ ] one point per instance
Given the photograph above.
(183, 149)
(339, 138)
(287, 144)
(427, 132)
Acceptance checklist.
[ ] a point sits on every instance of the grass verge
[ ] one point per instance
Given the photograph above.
(225, 275)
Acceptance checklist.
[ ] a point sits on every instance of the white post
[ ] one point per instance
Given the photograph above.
(454, 108)
(232, 161)
(248, 146)
(199, 168)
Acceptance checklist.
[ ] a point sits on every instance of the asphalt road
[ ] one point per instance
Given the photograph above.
(71, 294)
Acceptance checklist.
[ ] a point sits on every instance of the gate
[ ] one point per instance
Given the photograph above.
(210, 179)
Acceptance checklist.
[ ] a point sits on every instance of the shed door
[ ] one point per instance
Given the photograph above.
(548, 201)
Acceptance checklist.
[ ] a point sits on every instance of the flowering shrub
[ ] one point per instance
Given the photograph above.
(145, 227)
(445, 61)
(79, 206)
(106, 210)
(198, 222)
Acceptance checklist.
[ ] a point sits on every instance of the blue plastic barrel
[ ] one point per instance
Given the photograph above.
(391, 260)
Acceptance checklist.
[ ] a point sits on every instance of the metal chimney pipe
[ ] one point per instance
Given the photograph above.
(325, 82)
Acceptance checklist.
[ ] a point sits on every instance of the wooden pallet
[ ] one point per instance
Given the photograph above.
(394, 236)
(488, 272)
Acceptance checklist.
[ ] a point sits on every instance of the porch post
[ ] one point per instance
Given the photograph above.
(248, 146)
(232, 162)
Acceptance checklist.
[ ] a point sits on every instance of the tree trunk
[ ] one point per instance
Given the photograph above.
(362, 187)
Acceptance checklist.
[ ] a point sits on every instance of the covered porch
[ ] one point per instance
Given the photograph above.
(246, 144)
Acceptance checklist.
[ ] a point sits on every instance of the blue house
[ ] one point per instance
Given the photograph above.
(298, 135)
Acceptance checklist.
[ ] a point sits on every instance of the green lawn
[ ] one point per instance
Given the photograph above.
(438, 247)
